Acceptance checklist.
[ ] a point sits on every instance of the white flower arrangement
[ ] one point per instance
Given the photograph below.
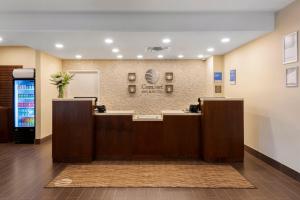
(61, 80)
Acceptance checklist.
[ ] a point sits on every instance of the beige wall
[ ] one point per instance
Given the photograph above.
(47, 65)
(190, 82)
(210, 76)
(272, 111)
(18, 56)
(214, 64)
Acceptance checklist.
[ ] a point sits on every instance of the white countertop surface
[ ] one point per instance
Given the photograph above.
(117, 112)
(221, 99)
(142, 117)
(177, 112)
(69, 99)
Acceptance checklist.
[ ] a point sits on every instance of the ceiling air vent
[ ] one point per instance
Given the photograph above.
(157, 49)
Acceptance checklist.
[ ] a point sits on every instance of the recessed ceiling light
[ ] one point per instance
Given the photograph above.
(1, 39)
(200, 56)
(225, 40)
(120, 56)
(140, 56)
(210, 49)
(109, 41)
(180, 56)
(166, 40)
(78, 56)
(160, 56)
(115, 50)
(59, 45)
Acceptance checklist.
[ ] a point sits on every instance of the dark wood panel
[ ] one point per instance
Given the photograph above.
(182, 136)
(5, 124)
(73, 130)
(118, 137)
(148, 139)
(6, 85)
(223, 131)
(113, 139)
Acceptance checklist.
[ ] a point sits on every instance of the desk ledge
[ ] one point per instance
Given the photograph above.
(178, 112)
(147, 118)
(116, 112)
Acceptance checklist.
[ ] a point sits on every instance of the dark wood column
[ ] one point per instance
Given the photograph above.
(223, 130)
(5, 124)
(73, 130)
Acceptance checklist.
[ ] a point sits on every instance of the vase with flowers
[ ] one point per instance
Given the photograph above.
(61, 80)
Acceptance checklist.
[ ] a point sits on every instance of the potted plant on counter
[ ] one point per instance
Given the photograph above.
(61, 80)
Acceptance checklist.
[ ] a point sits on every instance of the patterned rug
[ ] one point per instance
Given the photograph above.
(145, 175)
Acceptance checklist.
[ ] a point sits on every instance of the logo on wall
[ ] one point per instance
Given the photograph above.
(152, 76)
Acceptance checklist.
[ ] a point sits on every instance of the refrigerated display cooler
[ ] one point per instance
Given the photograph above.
(24, 106)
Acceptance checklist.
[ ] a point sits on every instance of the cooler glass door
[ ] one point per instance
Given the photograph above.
(24, 103)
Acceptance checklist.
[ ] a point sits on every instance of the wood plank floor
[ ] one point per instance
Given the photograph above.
(26, 169)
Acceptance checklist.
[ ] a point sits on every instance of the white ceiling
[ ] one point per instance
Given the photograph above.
(91, 44)
(42, 23)
(143, 5)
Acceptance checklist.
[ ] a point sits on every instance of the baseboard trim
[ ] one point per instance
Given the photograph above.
(277, 165)
(42, 140)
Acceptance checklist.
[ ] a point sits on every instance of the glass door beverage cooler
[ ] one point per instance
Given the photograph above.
(24, 105)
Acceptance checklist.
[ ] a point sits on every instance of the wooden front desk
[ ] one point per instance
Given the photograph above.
(79, 135)
(119, 137)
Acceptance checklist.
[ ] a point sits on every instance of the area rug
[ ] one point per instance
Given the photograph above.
(183, 176)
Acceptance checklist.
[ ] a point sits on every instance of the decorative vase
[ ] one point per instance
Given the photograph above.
(61, 92)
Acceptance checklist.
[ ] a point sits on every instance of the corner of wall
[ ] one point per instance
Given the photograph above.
(45, 66)
(38, 94)
(215, 64)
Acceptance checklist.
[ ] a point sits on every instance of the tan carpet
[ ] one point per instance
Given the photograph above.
(124, 175)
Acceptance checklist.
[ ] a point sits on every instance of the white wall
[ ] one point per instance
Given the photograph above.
(90, 88)
(272, 111)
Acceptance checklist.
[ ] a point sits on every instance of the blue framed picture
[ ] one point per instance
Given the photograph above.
(218, 76)
(232, 76)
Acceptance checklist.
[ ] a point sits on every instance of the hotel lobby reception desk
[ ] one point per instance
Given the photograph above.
(120, 136)
(80, 135)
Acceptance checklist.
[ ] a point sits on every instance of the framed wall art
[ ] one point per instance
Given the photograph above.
(218, 89)
(232, 77)
(292, 76)
(169, 76)
(132, 89)
(131, 76)
(290, 48)
(218, 77)
(169, 89)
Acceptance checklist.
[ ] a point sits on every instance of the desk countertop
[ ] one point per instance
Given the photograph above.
(178, 112)
(116, 112)
(132, 112)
